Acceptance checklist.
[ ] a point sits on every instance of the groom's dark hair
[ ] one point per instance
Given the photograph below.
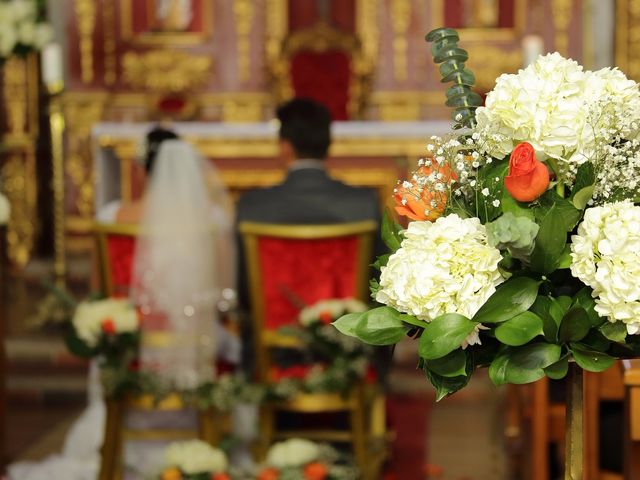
(154, 139)
(306, 124)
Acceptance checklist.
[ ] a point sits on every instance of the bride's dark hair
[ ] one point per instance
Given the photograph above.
(154, 139)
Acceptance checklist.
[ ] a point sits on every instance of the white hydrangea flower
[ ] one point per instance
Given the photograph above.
(442, 267)
(195, 456)
(294, 452)
(90, 317)
(606, 256)
(558, 108)
(8, 38)
(5, 209)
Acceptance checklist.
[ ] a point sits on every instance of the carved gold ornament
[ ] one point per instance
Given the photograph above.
(166, 70)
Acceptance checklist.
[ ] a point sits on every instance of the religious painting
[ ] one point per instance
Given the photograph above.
(482, 19)
(166, 21)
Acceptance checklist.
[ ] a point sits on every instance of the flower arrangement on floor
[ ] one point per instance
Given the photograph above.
(5, 210)
(299, 459)
(21, 28)
(194, 460)
(332, 362)
(524, 249)
(108, 330)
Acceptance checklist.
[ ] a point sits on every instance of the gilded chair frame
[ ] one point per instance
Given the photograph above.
(365, 407)
(252, 231)
(320, 38)
(209, 428)
(102, 231)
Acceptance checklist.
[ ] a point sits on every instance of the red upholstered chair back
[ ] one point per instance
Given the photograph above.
(290, 266)
(325, 77)
(327, 65)
(116, 247)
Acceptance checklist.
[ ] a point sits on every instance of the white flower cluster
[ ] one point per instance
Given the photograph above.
(334, 308)
(195, 456)
(557, 107)
(19, 26)
(91, 319)
(292, 453)
(442, 267)
(5, 209)
(606, 256)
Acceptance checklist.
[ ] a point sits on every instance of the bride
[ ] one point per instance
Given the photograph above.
(182, 264)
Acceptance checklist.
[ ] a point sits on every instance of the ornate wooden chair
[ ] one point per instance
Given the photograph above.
(327, 65)
(116, 247)
(310, 263)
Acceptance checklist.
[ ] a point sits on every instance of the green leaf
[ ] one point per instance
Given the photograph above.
(616, 331)
(444, 334)
(574, 326)
(591, 360)
(520, 329)
(558, 370)
(511, 298)
(550, 242)
(346, 324)
(78, 347)
(551, 314)
(510, 204)
(523, 364)
(391, 235)
(565, 211)
(446, 386)
(565, 258)
(581, 198)
(380, 326)
(381, 261)
(595, 340)
(586, 301)
(451, 365)
(585, 177)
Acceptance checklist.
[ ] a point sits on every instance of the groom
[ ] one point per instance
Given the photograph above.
(308, 194)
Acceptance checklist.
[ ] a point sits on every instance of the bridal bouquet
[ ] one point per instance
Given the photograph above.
(299, 459)
(21, 29)
(524, 249)
(194, 460)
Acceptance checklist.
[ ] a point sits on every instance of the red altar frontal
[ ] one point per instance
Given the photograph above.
(232, 61)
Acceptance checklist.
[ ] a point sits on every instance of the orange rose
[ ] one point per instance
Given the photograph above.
(268, 474)
(419, 200)
(326, 317)
(315, 471)
(528, 178)
(171, 474)
(108, 326)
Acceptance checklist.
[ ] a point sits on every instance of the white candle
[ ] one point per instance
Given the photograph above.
(52, 66)
(532, 47)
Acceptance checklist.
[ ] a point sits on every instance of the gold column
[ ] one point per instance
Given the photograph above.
(86, 14)
(400, 18)
(109, 42)
(561, 11)
(243, 11)
(56, 122)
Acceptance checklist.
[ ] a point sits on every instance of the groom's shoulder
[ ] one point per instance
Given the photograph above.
(257, 199)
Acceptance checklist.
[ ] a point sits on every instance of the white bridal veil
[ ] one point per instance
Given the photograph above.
(178, 273)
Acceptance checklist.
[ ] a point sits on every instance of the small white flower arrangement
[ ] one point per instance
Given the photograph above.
(100, 319)
(194, 459)
(325, 311)
(302, 459)
(20, 29)
(5, 210)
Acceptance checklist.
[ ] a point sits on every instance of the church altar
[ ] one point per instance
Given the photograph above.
(364, 153)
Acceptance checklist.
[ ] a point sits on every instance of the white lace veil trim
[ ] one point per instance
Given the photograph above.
(177, 275)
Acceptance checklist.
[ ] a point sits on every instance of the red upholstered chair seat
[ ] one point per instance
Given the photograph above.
(120, 250)
(325, 77)
(296, 273)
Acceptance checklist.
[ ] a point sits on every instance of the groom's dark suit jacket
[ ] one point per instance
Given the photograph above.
(307, 196)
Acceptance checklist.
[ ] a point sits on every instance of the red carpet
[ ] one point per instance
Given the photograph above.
(409, 418)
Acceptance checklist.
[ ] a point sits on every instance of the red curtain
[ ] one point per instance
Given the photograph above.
(301, 272)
